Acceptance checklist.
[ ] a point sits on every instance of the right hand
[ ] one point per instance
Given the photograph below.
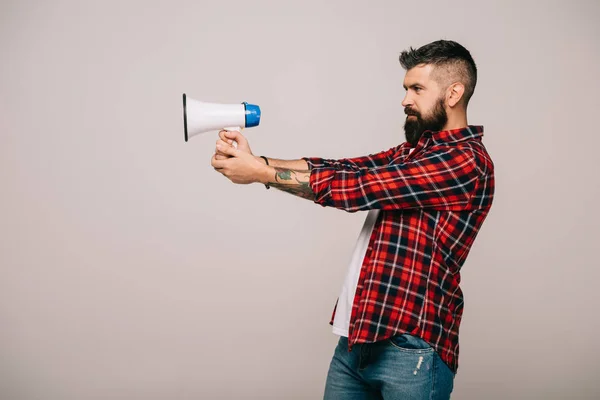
(229, 137)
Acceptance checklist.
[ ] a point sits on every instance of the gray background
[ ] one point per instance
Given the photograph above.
(131, 270)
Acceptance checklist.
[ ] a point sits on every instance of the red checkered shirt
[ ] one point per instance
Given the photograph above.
(433, 202)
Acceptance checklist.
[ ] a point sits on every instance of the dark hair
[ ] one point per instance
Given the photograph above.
(457, 60)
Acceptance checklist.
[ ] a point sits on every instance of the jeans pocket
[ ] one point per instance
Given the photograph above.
(410, 343)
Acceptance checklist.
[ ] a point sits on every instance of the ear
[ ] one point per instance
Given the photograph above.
(455, 93)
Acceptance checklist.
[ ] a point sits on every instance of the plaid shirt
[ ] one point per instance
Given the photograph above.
(433, 202)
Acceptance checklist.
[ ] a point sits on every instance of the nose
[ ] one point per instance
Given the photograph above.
(407, 100)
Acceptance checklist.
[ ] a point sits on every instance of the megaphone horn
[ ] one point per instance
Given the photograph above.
(200, 117)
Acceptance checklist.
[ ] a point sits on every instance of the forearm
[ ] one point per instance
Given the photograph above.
(288, 176)
(297, 165)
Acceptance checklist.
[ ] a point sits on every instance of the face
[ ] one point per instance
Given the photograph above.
(424, 104)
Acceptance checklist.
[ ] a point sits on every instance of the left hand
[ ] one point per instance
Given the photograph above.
(240, 167)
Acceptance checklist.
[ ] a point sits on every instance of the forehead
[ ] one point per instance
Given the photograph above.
(421, 74)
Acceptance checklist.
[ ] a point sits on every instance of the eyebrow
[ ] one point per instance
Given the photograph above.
(413, 85)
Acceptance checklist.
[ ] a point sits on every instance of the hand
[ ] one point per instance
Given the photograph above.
(229, 137)
(237, 165)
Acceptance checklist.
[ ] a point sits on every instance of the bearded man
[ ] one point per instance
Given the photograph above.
(400, 307)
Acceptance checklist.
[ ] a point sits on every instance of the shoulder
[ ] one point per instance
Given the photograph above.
(477, 151)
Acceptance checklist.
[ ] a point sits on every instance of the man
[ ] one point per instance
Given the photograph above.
(400, 309)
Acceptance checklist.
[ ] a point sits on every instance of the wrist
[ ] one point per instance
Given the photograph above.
(265, 171)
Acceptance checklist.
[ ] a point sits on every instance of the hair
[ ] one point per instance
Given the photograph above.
(452, 62)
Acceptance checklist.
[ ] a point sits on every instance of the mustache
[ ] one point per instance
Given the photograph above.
(410, 111)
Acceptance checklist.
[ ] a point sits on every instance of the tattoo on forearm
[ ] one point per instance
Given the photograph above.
(295, 182)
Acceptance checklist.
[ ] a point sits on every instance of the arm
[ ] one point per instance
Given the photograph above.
(440, 181)
(307, 163)
(444, 179)
(293, 176)
(352, 164)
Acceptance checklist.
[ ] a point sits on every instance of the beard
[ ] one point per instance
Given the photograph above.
(414, 127)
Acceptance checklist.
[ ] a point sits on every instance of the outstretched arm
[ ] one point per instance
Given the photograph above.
(444, 178)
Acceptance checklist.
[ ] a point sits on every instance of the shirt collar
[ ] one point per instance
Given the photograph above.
(449, 136)
(455, 135)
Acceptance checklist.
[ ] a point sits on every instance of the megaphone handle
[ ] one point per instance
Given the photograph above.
(231, 129)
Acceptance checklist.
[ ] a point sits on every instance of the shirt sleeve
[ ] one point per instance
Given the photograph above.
(353, 164)
(444, 178)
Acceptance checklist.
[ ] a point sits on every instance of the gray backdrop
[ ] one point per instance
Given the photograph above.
(131, 270)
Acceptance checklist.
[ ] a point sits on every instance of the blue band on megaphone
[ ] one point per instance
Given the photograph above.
(252, 115)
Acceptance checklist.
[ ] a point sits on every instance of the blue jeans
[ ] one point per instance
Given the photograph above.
(403, 367)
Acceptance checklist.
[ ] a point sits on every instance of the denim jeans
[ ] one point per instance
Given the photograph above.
(403, 367)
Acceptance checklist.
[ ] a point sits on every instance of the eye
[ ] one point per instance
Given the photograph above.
(417, 89)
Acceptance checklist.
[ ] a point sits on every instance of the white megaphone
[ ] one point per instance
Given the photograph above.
(200, 117)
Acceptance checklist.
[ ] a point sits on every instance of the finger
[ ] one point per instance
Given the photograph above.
(217, 164)
(235, 135)
(224, 143)
(227, 150)
(221, 156)
(224, 138)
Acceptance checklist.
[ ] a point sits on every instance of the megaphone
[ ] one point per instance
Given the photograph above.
(200, 117)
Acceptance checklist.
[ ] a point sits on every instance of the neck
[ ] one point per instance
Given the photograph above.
(456, 121)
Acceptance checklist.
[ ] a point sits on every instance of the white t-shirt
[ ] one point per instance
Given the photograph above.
(341, 321)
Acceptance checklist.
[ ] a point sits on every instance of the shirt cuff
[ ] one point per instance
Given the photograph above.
(320, 183)
(314, 162)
